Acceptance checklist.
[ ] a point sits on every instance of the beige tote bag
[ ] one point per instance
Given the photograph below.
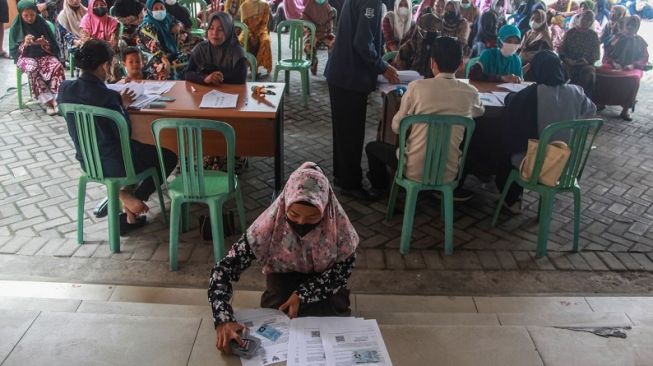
(555, 159)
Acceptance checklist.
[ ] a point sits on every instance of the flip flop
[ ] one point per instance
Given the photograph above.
(4, 54)
(126, 227)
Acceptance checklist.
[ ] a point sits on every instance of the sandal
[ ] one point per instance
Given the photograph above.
(4, 54)
(126, 227)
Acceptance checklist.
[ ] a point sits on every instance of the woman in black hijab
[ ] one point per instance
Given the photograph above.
(220, 58)
(486, 37)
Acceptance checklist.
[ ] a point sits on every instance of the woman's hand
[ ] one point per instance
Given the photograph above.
(391, 75)
(29, 39)
(215, 78)
(127, 96)
(512, 78)
(291, 306)
(225, 333)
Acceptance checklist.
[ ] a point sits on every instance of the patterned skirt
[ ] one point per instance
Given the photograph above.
(45, 75)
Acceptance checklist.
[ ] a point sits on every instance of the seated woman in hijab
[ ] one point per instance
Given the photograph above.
(617, 13)
(538, 38)
(430, 6)
(584, 6)
(625, 57)
(130, 14)
(158, 39)
(500, 64)
(97, 24)
(69, 21)
(531, 110)
(219, 59)
(35, 51)
(320, 13)
(185, 39)
(256, 14)
(455, 25)
(415, 54)
(397, 25)
(486, 36)
(307, 247)
(471, 13)
(579, 51)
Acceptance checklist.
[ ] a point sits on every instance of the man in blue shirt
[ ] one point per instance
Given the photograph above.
(351, 73)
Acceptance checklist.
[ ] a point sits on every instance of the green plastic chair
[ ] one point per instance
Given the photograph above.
(196, 184)
(195, 7)
(85, 122)
(298, 60)
(580, 144)
(435, 163)
(389, 56)
(251, 59)
(472, 61)
(19, 74)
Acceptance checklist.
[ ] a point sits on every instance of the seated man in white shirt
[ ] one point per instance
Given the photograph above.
(442, 94)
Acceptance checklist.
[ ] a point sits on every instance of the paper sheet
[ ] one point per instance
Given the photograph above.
(269, 352)
(216, 99)
(405, 77)
(305, 346)
(501, 95)
(386, 88)
(157, 87)
(513, 87)
(343, 340)
(490, 100)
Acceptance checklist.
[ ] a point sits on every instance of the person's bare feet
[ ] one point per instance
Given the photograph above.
(132, 205)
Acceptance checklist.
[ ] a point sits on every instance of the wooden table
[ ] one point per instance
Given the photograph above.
(258, 122)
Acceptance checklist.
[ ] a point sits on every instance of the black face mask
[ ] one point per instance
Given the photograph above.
(450, 16)
(301, 229)
(101, 11)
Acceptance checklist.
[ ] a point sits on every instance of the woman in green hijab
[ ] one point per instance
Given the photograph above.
(33, 46)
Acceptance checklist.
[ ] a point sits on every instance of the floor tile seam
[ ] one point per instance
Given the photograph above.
(21, 338)
(190, 354)
(530, 336)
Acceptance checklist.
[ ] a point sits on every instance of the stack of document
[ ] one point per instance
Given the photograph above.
(405, 77)
(216, 99)
(146, 92)
(314, 341)
(490, 100)
(514, 87)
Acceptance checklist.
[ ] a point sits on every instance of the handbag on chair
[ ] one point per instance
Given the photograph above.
(555, 159)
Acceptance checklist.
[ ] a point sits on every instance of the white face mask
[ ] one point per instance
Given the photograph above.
(171, 2)
(498, 9)
(535, 25)
(509, 49)
(465, 5)
(403, 11)
(159, 14)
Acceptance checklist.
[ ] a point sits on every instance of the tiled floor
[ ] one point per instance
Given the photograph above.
(173, 326)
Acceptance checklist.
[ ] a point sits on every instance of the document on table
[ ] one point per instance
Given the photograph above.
(501, 95)
(305, 346)
(405, 77)
(142, 98)
(270, 351)
(216, 99)
(354, 343)
(490, 100)
(158, 87)
(514, 87)
(386, 88)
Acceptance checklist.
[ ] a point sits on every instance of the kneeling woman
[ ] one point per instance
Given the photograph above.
(34, 48)
(307, 247)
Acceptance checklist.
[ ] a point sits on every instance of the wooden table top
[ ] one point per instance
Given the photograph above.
(188, 97)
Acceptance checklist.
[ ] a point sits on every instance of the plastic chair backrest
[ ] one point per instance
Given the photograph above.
(244, 30)
(192, 7)
(190, 150)
(296, 37)
(86, 125)
(112, 11)
(438, 142)
(471, 62)
(578, 143)
(389, 56)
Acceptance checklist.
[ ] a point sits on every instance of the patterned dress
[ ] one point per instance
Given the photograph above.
(45, 73)
(259, 36)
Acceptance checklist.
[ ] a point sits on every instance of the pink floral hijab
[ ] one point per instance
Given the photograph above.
(101, 28)
(280, 250)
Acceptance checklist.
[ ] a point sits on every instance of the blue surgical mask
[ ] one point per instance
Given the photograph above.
(465, 5)
(159, 14)
(320, 2)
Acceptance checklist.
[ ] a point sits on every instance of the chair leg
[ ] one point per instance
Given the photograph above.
(504, 193)
(447, 199)
(276, 74)
(287, 81)
(546, 202)
(409, 215)
(185, 217)
(81, 196)
(175, 216)
(305, 91)
(113, 191)
(241, 210)
(217, 230)
(19, 88)
(392, 200)
(159, 192)
(576, 192)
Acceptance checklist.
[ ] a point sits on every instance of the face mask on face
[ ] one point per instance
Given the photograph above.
(101, 11)
(159, 14)
(171, 2)
(450, 16)
(535, 25)
(403, 12)
(465, 5)
(320, 2)
(509, 49)
(301, 229)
